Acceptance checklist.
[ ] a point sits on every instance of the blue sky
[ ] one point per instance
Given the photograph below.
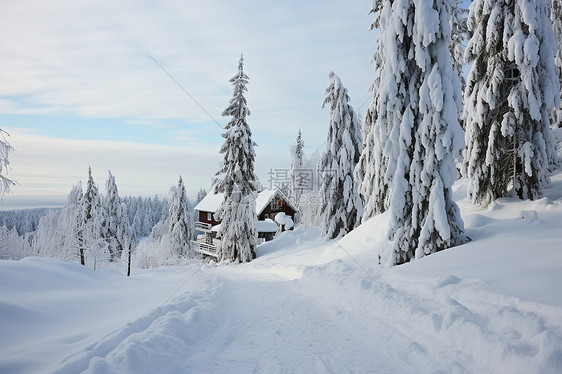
(78, 86)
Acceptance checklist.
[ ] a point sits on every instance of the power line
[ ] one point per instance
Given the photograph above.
(183, 89)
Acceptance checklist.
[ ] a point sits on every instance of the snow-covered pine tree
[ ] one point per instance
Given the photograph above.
(58, 231)
(200, 195)
(459, 35)
(129, 239)
(13, 246)
(418, 110)
(90, 230)
(342, 209)
(180, 222)
(116, 230)
(5, 150)
(235, 179)
(70, 223)
(371, 171)
(297, 164)
(556, 18)
(511, 91)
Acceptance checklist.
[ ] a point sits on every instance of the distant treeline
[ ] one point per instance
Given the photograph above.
(23, 220)
(143, 214)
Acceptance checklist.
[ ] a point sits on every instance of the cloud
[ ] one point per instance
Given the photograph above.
(89, 59)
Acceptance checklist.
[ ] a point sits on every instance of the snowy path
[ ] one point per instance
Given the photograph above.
(253, 325)
(261, 323)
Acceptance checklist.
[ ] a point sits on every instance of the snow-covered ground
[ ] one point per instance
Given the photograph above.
(306, 305)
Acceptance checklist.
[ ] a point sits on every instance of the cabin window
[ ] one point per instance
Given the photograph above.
(209, 216)
(279, 203)
(512, 73)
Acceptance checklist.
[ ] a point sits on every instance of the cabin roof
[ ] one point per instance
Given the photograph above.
(261, 226)
(212, 202)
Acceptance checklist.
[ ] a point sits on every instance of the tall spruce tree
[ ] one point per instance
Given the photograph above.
(342, 209)
(297, 164)
(418, 111)
(459, 35)
(90, 236)
(59, 232)
(511, 91)
(372, 171)
(236, 179)
(200, 195)
(556, 18)
(116, 227)
(5, 150)
(180, 222)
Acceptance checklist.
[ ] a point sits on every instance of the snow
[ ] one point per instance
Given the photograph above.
(263, 199)
(266, 225)
(211, 202)
(306, 305)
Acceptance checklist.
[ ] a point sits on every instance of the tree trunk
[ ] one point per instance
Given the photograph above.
(129, 262)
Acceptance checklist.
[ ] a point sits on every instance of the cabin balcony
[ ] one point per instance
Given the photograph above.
(204, 248)
(205, 244)
(203, 226)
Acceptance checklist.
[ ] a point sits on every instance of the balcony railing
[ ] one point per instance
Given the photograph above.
(204, 248)
(203, 226)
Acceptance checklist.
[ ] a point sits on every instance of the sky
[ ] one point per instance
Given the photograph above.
(138, 87)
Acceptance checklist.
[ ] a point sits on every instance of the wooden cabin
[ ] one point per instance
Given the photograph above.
(274, 211)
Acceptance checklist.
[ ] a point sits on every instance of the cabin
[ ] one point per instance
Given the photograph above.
(274, 211)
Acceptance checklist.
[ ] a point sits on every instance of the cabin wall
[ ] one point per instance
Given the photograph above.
(203, 218)
(273, 208)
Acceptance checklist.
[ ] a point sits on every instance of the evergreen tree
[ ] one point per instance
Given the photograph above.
(13, 246)
(200, 195)
(372, 172)
(180, 222)
(116, 230)
(511, 91)
(418, 111)
(128, 239)
(342, 207)
(70, 225)
(297, 164)
(5, 150)
(459, 35)
(90, 230)
(556, 18)
(235, 179)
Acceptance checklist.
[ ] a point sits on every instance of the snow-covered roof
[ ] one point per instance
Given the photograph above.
(212, 202)
(263, 199)
(266, 226)
(261, 226)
